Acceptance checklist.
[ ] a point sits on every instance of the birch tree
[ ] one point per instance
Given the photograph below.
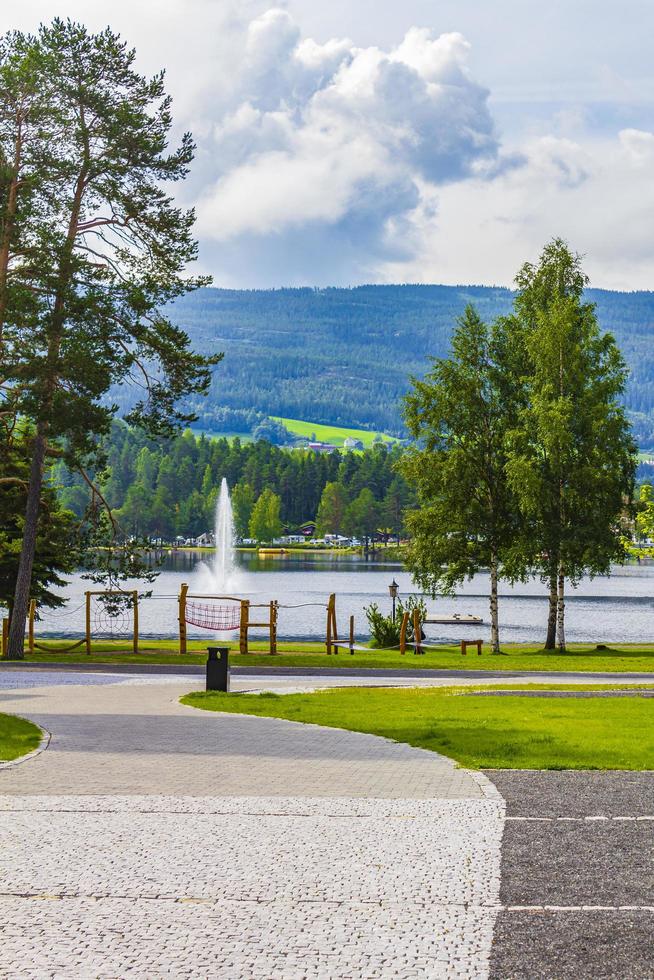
(459, 416)
(572, 459)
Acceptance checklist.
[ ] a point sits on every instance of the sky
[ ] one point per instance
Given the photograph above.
(423, 141)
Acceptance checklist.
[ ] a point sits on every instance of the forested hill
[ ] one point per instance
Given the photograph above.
(344, 356)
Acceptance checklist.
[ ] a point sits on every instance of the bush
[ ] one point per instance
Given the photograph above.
(385, 632)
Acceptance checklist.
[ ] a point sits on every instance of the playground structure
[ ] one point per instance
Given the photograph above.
(104, 618)
(418, 644)
(333, 643)
(224, 613)
(115, 615)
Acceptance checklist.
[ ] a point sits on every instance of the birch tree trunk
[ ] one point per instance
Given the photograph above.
(560, 610)
(495, 628)
(550, 642)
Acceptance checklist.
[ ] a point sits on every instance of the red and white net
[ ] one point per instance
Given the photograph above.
(213, 616)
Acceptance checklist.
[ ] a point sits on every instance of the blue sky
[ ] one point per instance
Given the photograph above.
(378, 141)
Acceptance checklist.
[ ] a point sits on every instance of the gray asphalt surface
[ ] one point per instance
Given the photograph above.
(575, 839)
(556, 945)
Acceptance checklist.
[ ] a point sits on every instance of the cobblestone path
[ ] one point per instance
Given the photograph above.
(153, 840)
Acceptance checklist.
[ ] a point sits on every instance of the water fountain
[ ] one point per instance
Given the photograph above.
(223, 562)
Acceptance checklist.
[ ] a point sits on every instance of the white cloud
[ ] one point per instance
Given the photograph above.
(342, 136)
(638, 145)
(324, 159)
(599, 196)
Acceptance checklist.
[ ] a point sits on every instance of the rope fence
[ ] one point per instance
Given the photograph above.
(225, 614)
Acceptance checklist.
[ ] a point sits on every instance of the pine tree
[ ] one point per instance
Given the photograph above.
(57, 543)
(107, 249)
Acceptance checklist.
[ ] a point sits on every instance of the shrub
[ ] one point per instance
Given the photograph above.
(385, 632)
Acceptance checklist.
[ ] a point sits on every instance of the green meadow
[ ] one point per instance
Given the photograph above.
(479, 731)
(334, 434)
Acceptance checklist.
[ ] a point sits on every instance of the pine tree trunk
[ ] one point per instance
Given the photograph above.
(24, 578)
(560, 611)
(550, 642)
(8, 223)
(495, 628)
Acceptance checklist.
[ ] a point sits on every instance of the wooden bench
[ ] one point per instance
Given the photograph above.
(471, 643)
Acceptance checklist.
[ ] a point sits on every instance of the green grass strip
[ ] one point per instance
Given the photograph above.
(580, 657)
(478, 732)
(17, 737)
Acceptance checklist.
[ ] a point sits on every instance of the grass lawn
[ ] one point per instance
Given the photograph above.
(334, 434)
(17, 737)
(478, 732)
(581, 658)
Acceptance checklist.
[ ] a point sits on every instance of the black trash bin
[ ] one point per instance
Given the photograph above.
(218, 669)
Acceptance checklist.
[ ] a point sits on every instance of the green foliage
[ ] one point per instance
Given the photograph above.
(93, 248)
(571, 458)
(242, 506)
(459, 416)
(363, 516)
(58, 541)
(645, 515)
(272, 431)
(265, 522)
(284, 349)
(386, 632)
(523, 461)
(332, 509)
(141, 485)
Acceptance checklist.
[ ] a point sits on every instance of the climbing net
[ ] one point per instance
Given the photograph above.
(112, 616)
(213, 616)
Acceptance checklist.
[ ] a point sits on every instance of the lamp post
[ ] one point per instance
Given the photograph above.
(392, 588)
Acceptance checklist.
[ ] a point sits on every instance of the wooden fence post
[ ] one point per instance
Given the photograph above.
(273, 627)
(88, 622)
(417, 632)
(352, 636)
(245, 619)
(135, 603)
(5, 636)
(182, 618)
(403, 629)
(332, 632)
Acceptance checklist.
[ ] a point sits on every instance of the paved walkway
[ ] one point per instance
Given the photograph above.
(154, 840)
(577, 876)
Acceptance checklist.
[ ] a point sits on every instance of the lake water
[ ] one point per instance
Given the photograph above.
(619, 607)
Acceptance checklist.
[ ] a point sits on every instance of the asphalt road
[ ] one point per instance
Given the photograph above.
(577, 876)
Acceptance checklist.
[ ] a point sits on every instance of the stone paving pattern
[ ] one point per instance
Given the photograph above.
(151, 840)
(173, 842)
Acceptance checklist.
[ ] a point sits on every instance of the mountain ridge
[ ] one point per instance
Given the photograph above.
(339, 355)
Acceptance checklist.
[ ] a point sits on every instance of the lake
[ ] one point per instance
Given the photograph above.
(615, 608)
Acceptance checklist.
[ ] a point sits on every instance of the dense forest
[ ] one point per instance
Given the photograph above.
(344, 356)
(169, 488)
